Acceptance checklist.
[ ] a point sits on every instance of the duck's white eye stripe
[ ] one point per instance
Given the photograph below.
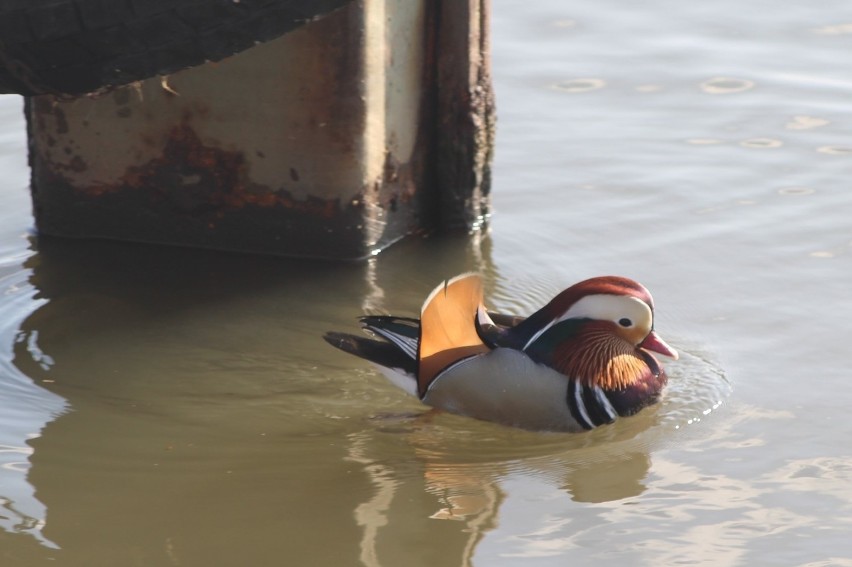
(617, 308)
(603, 307)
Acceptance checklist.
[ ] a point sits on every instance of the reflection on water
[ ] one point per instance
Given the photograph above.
(22, 511)
(187, 369)
(25, 409)
(169, 407)
(166, 362)
(472, 467)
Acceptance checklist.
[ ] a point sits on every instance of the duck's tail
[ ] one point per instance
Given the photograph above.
(396, 358)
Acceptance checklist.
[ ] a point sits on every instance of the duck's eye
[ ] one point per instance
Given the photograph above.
(625, 322)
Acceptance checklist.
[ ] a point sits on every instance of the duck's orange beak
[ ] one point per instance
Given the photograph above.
(653, 342)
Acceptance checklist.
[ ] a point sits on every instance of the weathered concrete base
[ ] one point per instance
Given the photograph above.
(322, 143)
(196, 195)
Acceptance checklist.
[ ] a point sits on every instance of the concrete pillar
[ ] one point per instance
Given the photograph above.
(466, 113)
(325, 142)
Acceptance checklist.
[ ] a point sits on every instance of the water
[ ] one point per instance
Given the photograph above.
(166, 407)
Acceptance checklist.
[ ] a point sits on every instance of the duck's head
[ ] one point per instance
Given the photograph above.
(599, 329)
(623, 302)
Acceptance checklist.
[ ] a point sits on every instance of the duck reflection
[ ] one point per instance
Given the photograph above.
(474, 470)
(615, 479)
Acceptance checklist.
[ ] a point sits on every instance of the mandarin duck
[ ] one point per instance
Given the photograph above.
(581, 361)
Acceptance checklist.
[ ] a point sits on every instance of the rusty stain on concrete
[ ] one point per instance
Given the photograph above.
(61, 121)
(199, 178)
(203, 195)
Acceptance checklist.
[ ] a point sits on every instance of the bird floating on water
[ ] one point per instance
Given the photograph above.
(581, 361)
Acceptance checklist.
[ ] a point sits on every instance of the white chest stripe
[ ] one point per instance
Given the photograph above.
(539, 333)
(581, 406)
(605, 403)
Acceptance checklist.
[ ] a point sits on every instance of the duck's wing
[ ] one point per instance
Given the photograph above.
(448, 327)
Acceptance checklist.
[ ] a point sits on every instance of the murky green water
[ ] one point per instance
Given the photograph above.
(170, 407)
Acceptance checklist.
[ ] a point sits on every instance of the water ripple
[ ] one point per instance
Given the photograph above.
(25, 409)
(835, 150)
(761, 143)
(839, 29)
(580, 85)
(806, 123)
(726, 85)
(796, 191)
